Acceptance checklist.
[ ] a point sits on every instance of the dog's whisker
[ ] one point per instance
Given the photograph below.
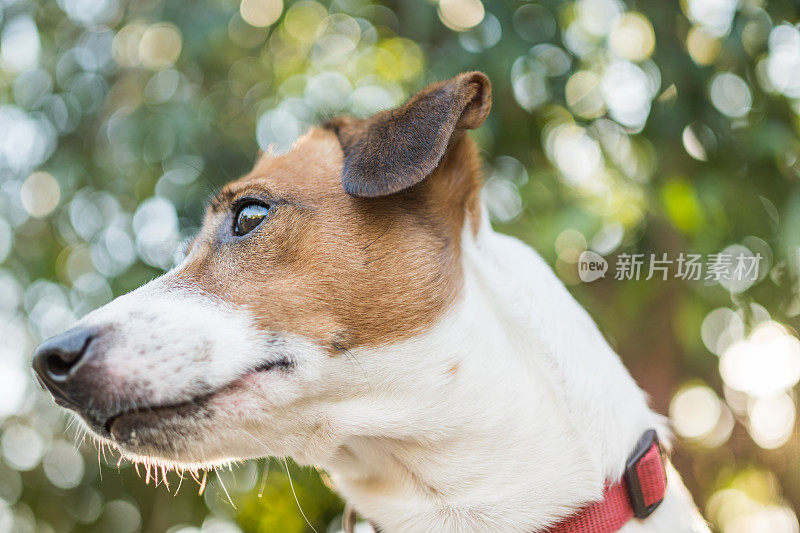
(264, 474)
(222, 484)
(294, 493)
(180, 481)
(214, 188)
(379, 236)
(103, 450)
(203, 483)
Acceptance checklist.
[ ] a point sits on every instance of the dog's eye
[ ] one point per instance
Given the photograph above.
(249, 217)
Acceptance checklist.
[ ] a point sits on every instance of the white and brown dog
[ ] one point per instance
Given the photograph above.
(349, 305)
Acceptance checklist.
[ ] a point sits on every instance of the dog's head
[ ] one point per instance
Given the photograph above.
(348, 242)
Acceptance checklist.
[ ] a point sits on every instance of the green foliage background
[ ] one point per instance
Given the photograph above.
(118, 120)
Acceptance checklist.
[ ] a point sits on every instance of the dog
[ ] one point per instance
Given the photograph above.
(348, 304)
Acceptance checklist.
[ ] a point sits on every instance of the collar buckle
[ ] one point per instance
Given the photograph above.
(647, 449)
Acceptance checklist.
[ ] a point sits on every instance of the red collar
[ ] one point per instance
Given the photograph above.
(637, 495)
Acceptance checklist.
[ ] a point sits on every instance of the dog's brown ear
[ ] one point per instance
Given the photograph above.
(393, 150)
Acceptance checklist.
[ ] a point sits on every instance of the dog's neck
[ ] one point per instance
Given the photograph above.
(512, 412)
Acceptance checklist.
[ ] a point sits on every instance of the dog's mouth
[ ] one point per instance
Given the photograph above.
(119, 426)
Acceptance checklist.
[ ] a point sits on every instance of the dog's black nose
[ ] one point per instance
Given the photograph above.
(56, 358)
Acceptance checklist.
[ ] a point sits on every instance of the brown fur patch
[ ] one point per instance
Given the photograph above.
(340, 270)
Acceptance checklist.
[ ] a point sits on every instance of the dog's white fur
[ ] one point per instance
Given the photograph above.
(539, 414)
(508, 415)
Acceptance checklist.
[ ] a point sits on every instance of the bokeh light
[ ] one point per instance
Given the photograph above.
(39, 194)
(703, 46)
(783, 61)
(765, 363)
(632, 37)
(160, 46)
(738, 512)
(730, 94)
(461, 14)
(695, 411)
(715, 15)
(261, 13)
(21, 46)
(771, 420)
